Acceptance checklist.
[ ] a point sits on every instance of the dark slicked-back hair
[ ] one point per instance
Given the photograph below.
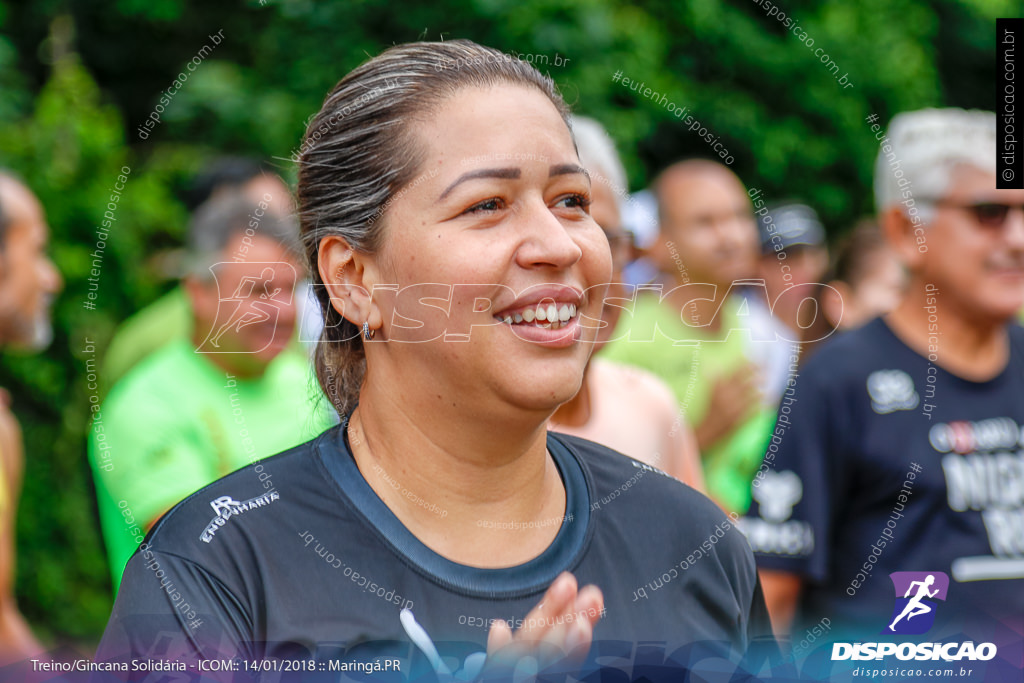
(359, 153)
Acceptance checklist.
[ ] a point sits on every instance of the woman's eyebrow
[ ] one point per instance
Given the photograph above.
(505, 173)
(565, 169)
(510, 174)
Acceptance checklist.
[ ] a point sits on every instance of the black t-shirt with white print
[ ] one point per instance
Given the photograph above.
(303, 561)
(883, 462)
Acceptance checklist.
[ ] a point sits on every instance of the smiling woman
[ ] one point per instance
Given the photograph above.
(448, 229)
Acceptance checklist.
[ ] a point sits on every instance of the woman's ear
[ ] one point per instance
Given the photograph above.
(349, 276)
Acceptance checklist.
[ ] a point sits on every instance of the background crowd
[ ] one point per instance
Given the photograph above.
(79, 83)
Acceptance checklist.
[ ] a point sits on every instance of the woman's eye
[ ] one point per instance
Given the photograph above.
(574, 201)
(486, 206)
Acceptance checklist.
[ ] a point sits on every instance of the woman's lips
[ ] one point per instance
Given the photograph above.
(555, 335)
(551, 320)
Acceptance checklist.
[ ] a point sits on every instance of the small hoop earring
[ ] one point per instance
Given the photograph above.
(367, 332)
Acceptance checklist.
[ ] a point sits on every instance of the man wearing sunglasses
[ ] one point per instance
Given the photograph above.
(905, 447)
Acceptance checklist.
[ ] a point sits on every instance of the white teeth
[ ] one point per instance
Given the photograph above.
(553, 315)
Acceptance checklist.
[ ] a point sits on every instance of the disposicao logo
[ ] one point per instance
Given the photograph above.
(917, 599)
(916, 595)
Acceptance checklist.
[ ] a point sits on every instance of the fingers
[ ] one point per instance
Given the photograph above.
(588, 609)
(745, 379)
(741, 391)
(590, 599)
(578, 637)
(559, 597)
(499, 636)
(558, 600)
(745, 372)
(561, 624)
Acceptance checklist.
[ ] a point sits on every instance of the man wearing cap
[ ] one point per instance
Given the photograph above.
(904, 454)
(792, 262)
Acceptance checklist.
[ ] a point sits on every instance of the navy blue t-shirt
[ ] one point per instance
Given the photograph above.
(318, 569)
(883, 462)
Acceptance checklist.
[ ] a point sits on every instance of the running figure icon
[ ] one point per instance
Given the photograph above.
(915, 607)
(241, 317)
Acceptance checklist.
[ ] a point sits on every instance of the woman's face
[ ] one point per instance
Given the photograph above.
(487, 246)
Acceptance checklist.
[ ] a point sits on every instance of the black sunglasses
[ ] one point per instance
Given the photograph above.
(987, 214)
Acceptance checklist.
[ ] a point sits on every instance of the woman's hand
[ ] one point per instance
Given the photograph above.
(560, 626)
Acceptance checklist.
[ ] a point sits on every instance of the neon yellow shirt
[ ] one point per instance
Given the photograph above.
(689, 359)
(166, 319)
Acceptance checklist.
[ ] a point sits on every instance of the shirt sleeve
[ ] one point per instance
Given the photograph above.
(762, 646)
(789, 524)
(172, 609)
(755, 626)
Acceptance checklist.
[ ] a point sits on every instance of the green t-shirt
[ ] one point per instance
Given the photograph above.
(176, 422)
(689, 359)
(167, 319)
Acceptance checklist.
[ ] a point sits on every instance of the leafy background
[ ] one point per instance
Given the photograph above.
(77, 78)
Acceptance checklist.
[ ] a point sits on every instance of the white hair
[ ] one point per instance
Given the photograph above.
(926, 147)
(598, 156)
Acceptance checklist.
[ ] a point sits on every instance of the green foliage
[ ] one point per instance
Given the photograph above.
(71, 104)
(63, 149)
(70, 149)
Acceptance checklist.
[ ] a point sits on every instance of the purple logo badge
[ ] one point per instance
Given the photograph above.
(917, 594)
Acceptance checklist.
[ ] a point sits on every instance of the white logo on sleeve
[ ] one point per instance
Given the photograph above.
(891, 390)
(223, 504)
(777, 494)
(227, 507)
